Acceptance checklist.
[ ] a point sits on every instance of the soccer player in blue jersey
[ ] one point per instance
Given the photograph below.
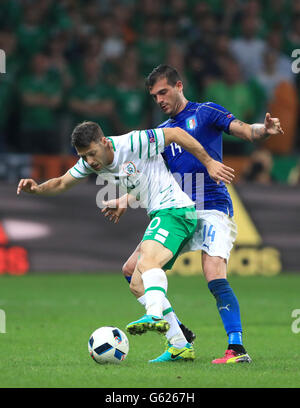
(216, 231)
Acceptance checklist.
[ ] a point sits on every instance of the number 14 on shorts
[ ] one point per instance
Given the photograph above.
(208, 233)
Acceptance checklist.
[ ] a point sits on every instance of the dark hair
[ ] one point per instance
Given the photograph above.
(85, 133)
(163, 71)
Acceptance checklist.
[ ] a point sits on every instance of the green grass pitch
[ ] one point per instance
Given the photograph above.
(49, 319)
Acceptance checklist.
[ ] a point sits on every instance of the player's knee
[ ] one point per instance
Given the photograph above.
(214, 267)
(127, 269)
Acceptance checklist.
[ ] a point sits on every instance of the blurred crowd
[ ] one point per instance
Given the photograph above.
(74, 60)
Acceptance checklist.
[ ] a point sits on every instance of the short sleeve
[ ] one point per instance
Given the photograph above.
(80, 170)
(218, 116)
(147, 143)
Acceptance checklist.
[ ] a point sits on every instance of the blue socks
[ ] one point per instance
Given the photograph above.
(229, 309)
(235, 338)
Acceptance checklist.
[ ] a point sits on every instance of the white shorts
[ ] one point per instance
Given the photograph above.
(215, 234)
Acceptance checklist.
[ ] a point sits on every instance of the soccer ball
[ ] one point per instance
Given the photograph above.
(108, 344)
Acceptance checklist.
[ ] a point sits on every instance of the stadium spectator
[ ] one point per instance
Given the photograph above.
(203, 39)
(271, 74)
(123, 17)
(93, 47)
(78, 32)
(252, 9)
(274, 42)
(170, 32)
(229, 16)
(200, 9)
(179, 13)
(131, 56)
(131, 100)
(41, 95)
(292, 40)
(113, 44)
(277, 13)
(148, 9)
(58, 63)
(32, 33)
(223, 51)
(204, 30)
(248, 49)
(151, 47)
(10, 13)
(90, 97)
(238, 98)
(91, 15)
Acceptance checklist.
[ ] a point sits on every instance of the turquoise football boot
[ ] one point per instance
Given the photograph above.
(148, 322)
(186, 353)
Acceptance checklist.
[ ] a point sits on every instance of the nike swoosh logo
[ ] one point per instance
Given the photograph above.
(176, 355)
(156, 320)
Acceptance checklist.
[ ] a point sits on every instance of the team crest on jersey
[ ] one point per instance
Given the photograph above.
(129, 168)
(191, 123)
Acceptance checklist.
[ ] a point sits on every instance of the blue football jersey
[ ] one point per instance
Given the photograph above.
(205, 122)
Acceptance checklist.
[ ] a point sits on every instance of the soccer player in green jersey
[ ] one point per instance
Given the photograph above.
(134, 162)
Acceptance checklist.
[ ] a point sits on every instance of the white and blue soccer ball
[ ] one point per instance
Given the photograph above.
(108, 344)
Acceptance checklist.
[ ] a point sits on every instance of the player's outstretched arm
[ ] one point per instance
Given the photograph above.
(50, 187)
(256, 132)
(217, 170)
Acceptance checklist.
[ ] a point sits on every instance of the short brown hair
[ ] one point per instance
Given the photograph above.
(85, 133)
(163, 71)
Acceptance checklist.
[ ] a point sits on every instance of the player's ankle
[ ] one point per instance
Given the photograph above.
(239, 348)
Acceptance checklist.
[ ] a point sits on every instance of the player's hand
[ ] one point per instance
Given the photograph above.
(272, 125)
(27, 185)
(113, 209)
(219, 172)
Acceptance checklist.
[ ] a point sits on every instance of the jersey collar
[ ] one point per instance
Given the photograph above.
(183, 112)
